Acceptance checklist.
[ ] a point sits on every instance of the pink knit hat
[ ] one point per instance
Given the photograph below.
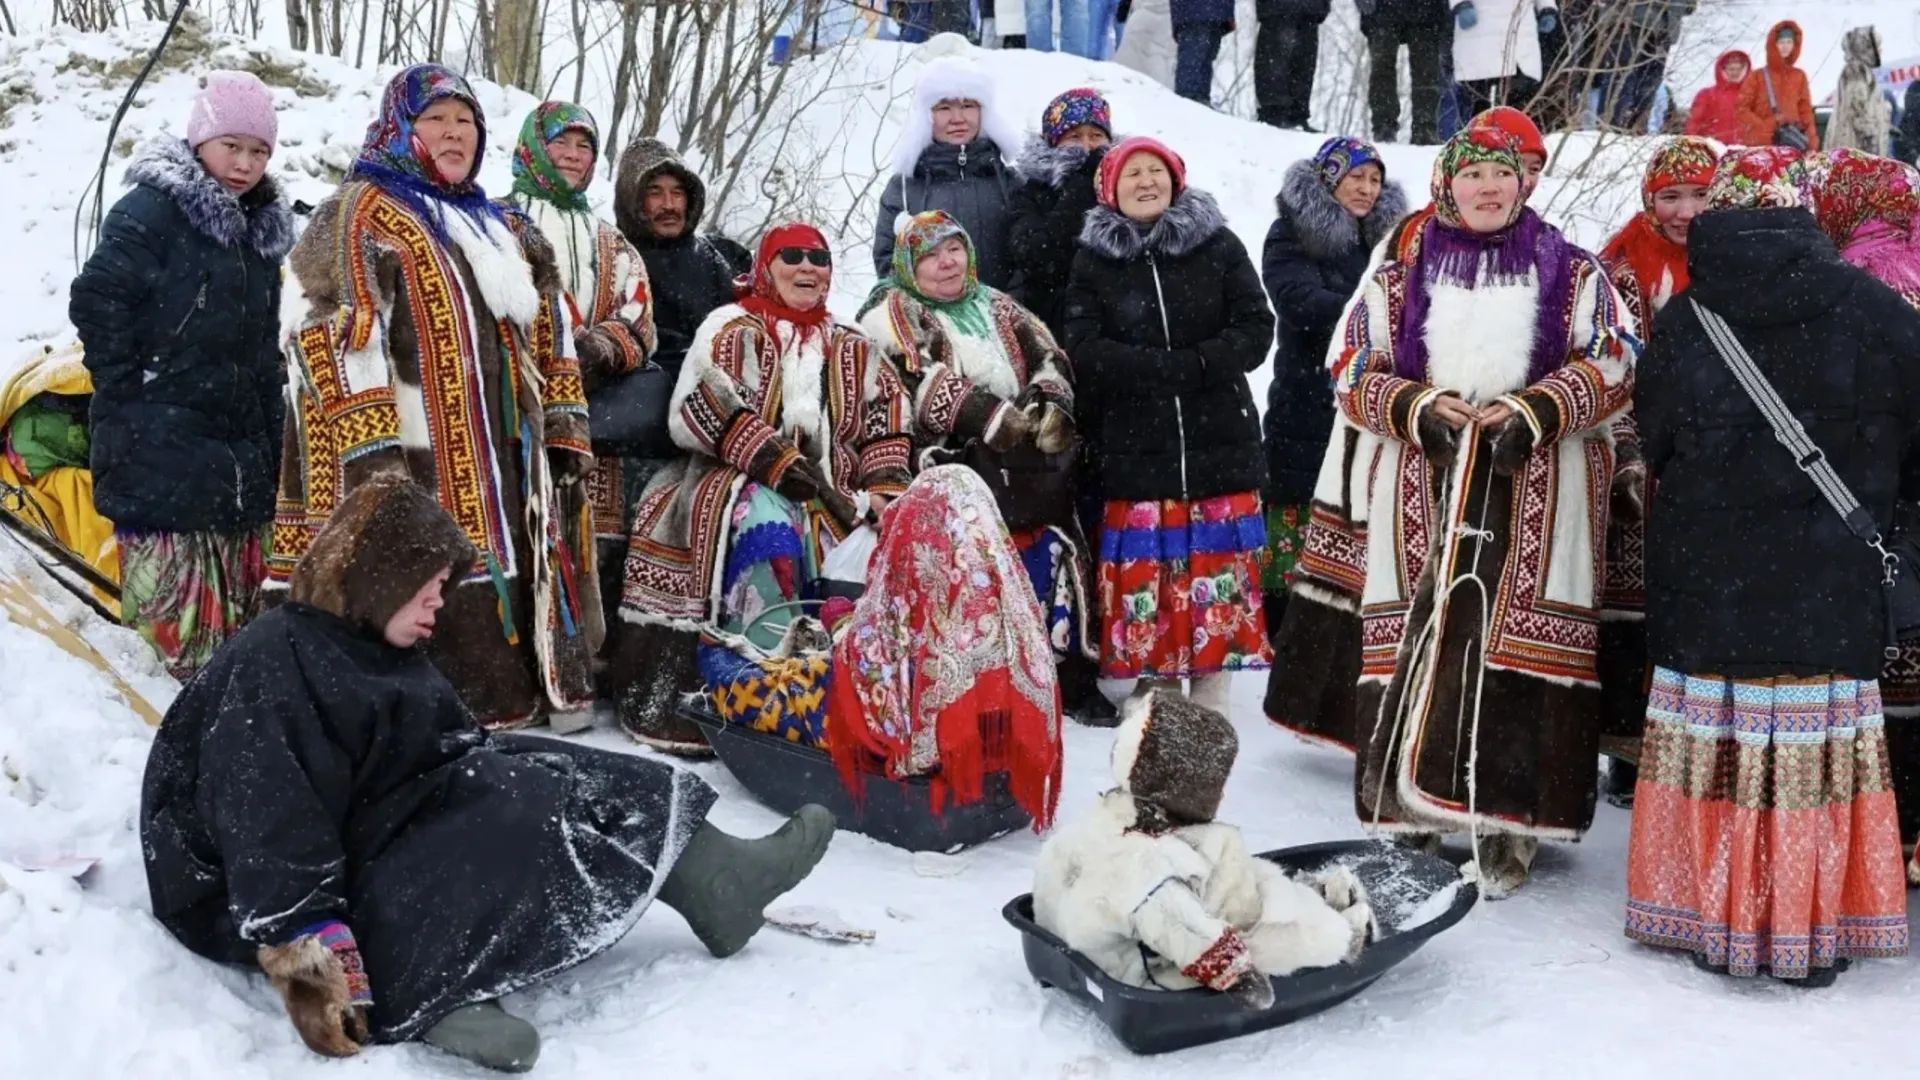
(232, 103)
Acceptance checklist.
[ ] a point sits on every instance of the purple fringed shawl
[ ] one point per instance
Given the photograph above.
(1451, 255)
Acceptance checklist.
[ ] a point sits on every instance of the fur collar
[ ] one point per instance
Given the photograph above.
(1049, 165)
(261, 220)
(1192, 220)
(1323, 227)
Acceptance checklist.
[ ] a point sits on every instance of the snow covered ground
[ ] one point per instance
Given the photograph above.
(91, 987)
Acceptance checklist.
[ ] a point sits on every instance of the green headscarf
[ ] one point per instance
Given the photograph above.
(534, 173)
(971, 311)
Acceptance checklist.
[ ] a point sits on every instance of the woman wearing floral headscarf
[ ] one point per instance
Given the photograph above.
(430, 340)
(982, 368)
(1488, 367)
(609, 307)
(1764, 828)
(797, 433)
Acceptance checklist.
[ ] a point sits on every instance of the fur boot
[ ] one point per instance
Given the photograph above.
(1506, 861)
(312, 981)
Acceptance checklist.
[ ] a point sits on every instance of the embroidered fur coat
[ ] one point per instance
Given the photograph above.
(753, 396)
(451, 363)
(1525, 518)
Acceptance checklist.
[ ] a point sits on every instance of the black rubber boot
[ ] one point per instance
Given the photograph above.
(487, 1035)
(722, 883)
(1080, 695)
(1622, 778)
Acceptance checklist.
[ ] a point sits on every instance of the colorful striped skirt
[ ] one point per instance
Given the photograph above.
(1180, 588)
(1764, 833)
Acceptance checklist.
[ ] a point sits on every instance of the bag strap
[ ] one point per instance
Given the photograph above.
(1788, 430)
(1767, 76)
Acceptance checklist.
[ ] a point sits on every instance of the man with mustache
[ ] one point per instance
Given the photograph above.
(658, 202)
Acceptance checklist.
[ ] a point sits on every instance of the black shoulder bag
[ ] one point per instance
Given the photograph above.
(1899, 556)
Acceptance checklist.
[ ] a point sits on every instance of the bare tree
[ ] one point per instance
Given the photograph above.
(7, 17)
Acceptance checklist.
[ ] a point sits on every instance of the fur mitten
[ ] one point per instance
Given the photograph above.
(1512, 444)
(1055, 432)
(802, 481)
(321, 979)
(598, 356)
(1438, 442)
(1011, 429)
(569, 466)
(1630, 493)
(1253, 992)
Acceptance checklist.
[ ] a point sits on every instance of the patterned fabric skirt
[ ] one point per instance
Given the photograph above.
(1764, 833)
(772, 557)
(187, 593)
(1180, 588)
(1284, 526)
(1059, 583)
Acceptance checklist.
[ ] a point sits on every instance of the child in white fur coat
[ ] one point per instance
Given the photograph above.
(1153, 890)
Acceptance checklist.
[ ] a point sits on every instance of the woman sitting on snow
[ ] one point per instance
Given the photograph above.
(1153, 890)
(981, 368)
(320, 802)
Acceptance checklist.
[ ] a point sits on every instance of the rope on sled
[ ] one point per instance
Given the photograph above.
(1424, 638)
(97, 186)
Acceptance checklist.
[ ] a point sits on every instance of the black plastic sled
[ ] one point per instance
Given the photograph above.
(1403, 885)
(785, 776)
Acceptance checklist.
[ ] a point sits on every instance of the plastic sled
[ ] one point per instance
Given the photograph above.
(1407, 889)
(786, 776)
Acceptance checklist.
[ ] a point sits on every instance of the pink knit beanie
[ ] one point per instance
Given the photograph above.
(232, 103)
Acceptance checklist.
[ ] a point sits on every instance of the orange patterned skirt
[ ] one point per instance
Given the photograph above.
(1764, 833)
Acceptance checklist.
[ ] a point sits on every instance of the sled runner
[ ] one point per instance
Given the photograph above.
(1415, 896)
(786, 775)
(46, 487)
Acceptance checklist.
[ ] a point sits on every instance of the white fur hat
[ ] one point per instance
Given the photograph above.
(950, 78)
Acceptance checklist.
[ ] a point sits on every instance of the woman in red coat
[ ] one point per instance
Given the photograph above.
(1716, 110)
(1789, 102)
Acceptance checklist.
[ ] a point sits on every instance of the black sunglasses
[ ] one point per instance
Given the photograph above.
(793, 256)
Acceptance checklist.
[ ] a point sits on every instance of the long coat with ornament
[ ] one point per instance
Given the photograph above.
(448, 357)
(1524, 519)
(754, 395)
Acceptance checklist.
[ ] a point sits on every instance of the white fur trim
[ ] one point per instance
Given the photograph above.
(1570, 548)
(1315, 593)
(575, 237)
(416, 432)
(295, 309)
(366, 368)
(499, 269)
(1480, 340)
(948, 78)
(1128, 737)
(982, 361)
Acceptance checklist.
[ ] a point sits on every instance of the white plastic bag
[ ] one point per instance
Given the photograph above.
(848, 559)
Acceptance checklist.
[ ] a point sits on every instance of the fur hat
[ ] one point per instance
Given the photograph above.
(953, 78)
(1078, 107)
(232, 103)
(1173, 757)
(384, 542)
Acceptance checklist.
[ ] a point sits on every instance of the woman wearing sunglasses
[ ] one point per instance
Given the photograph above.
(798, 433)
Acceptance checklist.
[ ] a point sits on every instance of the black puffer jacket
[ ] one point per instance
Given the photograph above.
(1316, 253)
(1163, 327)
(1750, 573)
(179, 312)
(968, 181)
(1049, 210)
(690, 274)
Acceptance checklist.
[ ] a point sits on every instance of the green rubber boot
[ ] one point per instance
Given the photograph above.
(487, 1035)
(722, 883)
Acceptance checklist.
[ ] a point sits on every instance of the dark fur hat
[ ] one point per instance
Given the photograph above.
(1173, 757)
(385, 541)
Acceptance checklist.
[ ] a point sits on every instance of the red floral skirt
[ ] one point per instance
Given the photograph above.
(1180, 588)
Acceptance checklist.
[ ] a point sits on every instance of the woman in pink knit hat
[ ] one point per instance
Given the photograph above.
(178, 309)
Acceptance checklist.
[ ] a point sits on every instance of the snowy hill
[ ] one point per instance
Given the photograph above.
(92, 988)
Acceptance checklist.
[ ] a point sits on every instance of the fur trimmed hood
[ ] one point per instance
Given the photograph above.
(261, 219)
(1191, 220)
(643, 160)
(385, 541)
(1324, 227)
(1050, 165)
(943, 79)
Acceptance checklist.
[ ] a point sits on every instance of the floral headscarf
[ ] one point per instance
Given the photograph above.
(1073, 109)
(1341, 155)
(1689, 159)
(922, 233)
(394, 158)
(1659, 263)
(1758, 178)
(534, 173)
(1472, 147)
(1855, 188)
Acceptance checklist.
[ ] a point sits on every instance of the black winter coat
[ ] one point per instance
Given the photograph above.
(179, 312)
(1049, 210)
(690, 274)
(1316, 253)
(1750, 573)
(312, 771)
(971, 183)
(1406, 12)
(1163, 327)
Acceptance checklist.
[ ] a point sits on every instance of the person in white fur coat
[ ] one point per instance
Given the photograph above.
(955, 154)
(1158, 894)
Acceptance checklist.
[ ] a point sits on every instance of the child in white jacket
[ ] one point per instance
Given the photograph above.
(1157, 894)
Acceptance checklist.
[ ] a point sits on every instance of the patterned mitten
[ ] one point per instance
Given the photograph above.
(321, 978)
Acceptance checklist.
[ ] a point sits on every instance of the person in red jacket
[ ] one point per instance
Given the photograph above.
(1716, 110)
(1790, 100)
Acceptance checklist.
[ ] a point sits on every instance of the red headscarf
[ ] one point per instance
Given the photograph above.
(1116, 160)
(1660, 264)
(758, 294)
(1517, 124)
